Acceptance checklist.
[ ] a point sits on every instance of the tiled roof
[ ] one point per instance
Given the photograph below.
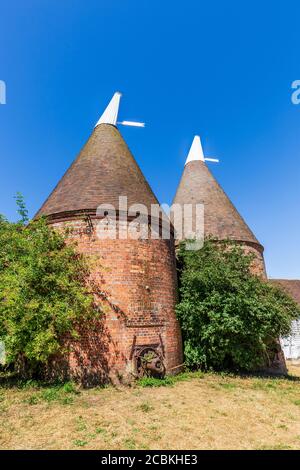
(104, 170)
(221, 219)
(290, 286)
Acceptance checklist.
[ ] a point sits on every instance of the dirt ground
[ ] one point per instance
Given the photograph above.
(197, 411)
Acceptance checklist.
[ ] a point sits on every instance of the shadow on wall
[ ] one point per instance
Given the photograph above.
(84, 359)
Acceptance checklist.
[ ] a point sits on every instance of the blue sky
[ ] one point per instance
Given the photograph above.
(219, 69)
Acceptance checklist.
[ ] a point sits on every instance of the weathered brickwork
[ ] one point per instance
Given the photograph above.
(134, 280)
(134, 284)
(258, 264)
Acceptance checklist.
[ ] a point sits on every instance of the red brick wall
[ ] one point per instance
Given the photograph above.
(258, 264)
(136, 290)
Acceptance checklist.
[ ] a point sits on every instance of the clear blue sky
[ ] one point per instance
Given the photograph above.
(220, 69)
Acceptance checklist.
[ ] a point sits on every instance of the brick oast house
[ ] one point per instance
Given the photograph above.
(135, 279)
(221, 219)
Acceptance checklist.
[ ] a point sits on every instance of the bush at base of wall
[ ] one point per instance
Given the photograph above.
(42, 289)
(229, 317)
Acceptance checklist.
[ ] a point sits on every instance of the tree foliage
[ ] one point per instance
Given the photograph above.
(43, 293)
(230, 318)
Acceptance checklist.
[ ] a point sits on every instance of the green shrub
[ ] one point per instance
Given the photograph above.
(169, 380)
(155, 382)
(43, 293)
(229, 317)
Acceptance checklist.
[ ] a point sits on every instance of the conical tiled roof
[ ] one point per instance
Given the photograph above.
(221, 219)
(104, 170)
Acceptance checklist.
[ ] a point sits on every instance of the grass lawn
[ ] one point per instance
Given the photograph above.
(193, 411)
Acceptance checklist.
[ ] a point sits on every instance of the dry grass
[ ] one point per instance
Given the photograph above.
(209, 412)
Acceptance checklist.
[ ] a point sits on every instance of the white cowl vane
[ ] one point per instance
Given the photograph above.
(196, 152)
(110, 115)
